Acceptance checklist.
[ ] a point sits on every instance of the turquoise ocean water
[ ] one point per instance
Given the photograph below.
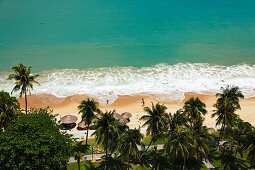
(127, 47)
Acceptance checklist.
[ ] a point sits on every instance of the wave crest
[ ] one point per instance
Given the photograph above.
(165, 82)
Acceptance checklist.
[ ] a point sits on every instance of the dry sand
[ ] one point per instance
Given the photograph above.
(132, 104)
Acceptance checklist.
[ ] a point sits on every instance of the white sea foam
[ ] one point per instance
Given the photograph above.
(166, 82)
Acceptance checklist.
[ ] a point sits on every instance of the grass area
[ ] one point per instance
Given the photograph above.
(215, 161)
(146, 141)
(74, 166)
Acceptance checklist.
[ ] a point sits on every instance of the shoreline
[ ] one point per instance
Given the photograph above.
(132, 104)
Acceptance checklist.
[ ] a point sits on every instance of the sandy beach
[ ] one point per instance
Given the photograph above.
(132, 104)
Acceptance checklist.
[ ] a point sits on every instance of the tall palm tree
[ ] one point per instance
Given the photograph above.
(250, 148)
(79, 151)
(177, 119)
(194, 108)
(106, 131)
(156, 121)
(179, 145)
(230, 161)
(9, 108)
(113, 163)
(201, 138)
(130, 140)
(226, 105)
(24, 80)
(88, 108)
(157, 158)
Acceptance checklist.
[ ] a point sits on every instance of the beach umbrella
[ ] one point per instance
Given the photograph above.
(123, 120)
(126, 115)
(117, 116)
(68, 119)
(82, 125)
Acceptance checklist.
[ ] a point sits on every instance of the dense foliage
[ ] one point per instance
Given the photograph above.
(9, 109)
(34, 141)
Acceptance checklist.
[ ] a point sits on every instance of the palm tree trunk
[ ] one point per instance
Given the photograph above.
(105, 167)
(221, 131)
(183, 167)
(87, 135)
(26, 101)
(78, 161)
(148, 146)
(128, 160)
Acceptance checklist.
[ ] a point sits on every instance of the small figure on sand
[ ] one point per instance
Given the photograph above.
(107, 102)
(143, 103)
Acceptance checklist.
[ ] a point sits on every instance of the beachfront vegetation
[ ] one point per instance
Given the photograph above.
(155, 121)
(88, 108)
(24, 80)
(33, 141)
(226, 106)
(9, 109)
(79, 150)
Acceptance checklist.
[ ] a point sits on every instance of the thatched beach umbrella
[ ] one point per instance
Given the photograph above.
(82, 125)
(68, 119)
(117, 116)
(126, 115)
(123, 120)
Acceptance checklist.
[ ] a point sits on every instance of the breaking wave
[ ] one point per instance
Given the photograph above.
(164, 82)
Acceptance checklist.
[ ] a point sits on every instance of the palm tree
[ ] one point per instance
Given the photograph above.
(9, 108)
(79, 151)
(179, 145)
(89, 165)
(106, 131)
(250, 148)
(194, 109)
(113, 163)
(177, 119)
(24, 80)
(130, 140)
(201, 138)
(226, 105)
(88, 108)
(157, 158)
(156, 121)
(230, 161)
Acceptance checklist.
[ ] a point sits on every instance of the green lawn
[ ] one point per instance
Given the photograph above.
(217, 160)
(74, 166)
(146, 141)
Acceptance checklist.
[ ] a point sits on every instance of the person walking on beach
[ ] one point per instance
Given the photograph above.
(143, 103)
(107, 102)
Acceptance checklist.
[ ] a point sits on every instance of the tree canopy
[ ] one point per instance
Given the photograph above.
(9, 108)
(33, 141)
